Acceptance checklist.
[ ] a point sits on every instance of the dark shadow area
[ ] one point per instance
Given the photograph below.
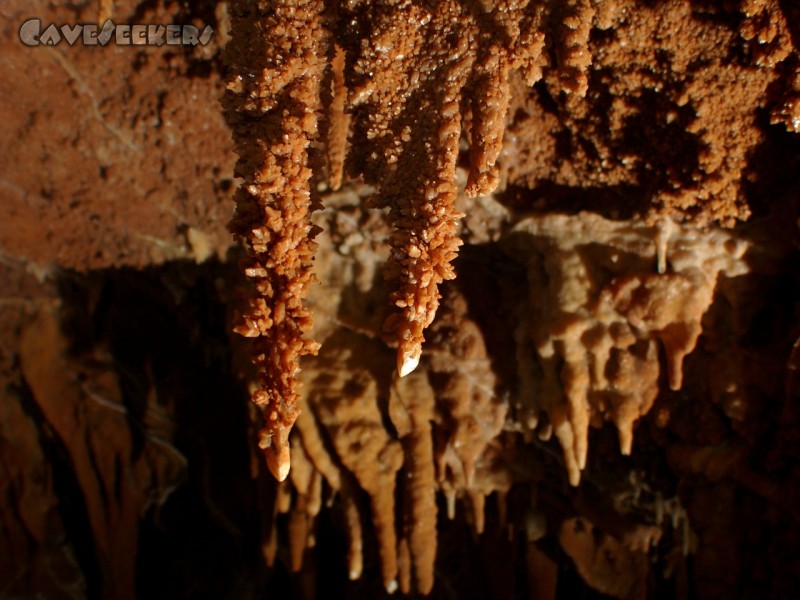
(167, 333)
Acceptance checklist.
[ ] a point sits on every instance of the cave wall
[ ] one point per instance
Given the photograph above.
(645, 176)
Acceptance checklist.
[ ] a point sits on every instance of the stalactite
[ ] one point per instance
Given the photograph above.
(516, 43)
(346, 402)
(267, 506)
(407, 84)
(607, 305)
(339, 122)
(573, 53)
(298, 534)
(404, 567)
(313, 446)
(277, 55)
(469, 411)
(305, 480)
(477, 502)
(411, 406)
(301, 476)
(355, 536)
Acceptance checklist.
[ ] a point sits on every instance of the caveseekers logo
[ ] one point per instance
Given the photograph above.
(32, 34)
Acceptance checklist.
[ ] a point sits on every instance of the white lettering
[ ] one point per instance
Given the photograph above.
(51, 36)
(29, 32)
(71, 34)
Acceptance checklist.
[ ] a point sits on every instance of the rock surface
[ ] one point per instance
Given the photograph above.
(627, 174)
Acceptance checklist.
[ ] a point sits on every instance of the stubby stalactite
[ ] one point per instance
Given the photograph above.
(595, 330)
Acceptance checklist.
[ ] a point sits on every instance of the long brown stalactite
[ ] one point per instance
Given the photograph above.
(279, 53)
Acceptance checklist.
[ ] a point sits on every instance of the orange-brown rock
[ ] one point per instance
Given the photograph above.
(277, 55)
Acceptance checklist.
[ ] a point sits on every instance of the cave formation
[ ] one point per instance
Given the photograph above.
(511, 290)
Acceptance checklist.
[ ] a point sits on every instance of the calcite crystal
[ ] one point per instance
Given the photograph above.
(273, 101)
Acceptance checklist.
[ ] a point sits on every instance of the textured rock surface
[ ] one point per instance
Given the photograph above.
(596, 298)
(602, 294)
(112, 156)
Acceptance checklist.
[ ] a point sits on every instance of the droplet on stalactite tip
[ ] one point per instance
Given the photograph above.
(407, 361)
(278, 459)
(625, 433)
(391, 586)
(664, 231)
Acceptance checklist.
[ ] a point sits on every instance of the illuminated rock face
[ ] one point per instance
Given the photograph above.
(610, 311)
(399, 93)
(548, 105)
(409, 100)
(677, 108)
(401, 79)
(602, 295)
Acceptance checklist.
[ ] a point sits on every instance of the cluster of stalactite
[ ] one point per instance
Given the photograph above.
(415, 102)
(409, 76)
(390, 90)
(441, 441)
(363, 429)
(596, 302)
(602, 295)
